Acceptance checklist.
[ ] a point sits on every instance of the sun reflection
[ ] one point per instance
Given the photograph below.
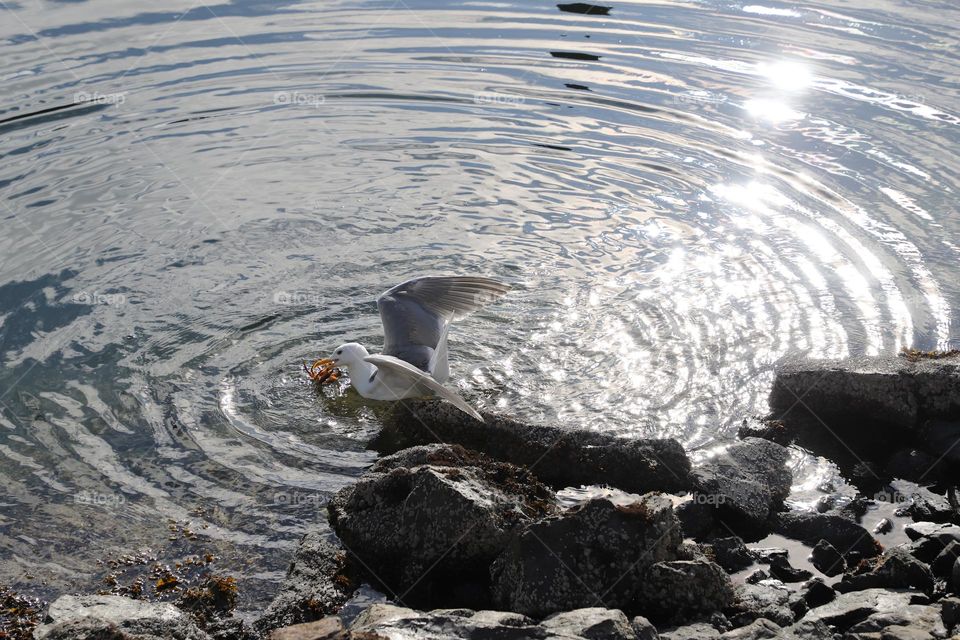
(772, 110)
(787, 75)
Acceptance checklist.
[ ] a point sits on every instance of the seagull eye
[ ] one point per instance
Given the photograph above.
(339, 351)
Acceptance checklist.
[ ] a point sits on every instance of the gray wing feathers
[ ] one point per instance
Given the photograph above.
(417, 377)
(451, 297)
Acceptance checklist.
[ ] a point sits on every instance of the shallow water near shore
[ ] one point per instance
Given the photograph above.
(197, 198)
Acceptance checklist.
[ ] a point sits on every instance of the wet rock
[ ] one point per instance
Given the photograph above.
(767, 555)
(942, 533)
(757, 630)
(851, 608)
(644, 629)
(768, 599)
(745, 483)
(427, 522)
(115, 618)
(911, 464)
(896, 569)
(942, 565)
(390, 621)
(316, 585)
(584, 8)
(329, 628)
(682, 590)
(882, 527)
(696, 519)
(950, 611)
(921, 504)
(781, 569)
(955, 577)
(838, 531)
(731, 554)
(757, 576)
(772, 430)
(562, 562)
(910, 622)
(874, 407)
(559, 457)
(827, 559)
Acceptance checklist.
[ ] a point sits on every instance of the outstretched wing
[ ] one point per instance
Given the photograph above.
(412, 377)
(415, 313)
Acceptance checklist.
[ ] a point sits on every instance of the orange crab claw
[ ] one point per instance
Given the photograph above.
(322, 371)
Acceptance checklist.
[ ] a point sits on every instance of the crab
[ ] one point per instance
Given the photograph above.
(322, 371)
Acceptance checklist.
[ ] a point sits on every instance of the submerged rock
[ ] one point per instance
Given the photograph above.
(425, 524)
(116, 618)
(827, 559)
(599, 549)
(745, 483)
(559, 457)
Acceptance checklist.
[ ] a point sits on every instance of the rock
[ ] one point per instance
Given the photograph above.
(816, 593)
(745, 483)
(827, 559)
(696, 518)
(942, 565)
(426, 523)
(115, 618)
(950, 611)
(772, 430)
(768, 555)
(388, 621)
(644, 629)
(955, 577)
(695, 631)
(838, 531)
(315, 586)
(911, 621)
(594, 623)
(897, 569)
(329, 628)
(731, 554)
(911, 464)
(851, 608)
(920, 503)
(769, 599)
(756, 630)
(883, 390)
(566, 561)
(682, 590)
(782, 570)
(873, 406)
(757, 576)
(942, 533)
(825, 504)
(559, 457)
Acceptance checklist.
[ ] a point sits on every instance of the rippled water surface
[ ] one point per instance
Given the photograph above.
(198, 197)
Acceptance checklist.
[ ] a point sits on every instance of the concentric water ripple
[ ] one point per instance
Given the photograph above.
(198, 198)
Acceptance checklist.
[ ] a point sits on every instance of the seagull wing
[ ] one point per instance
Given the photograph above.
(414, 377)
(415, 314)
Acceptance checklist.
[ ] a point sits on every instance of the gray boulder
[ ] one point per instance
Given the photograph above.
(596, 551)
(316, 585)
(426, 523)
(390, 621)
(768, 599)
(731, 554)
(115, 618)
(896, 569)
(854, 607)
(559, 457)
(757, 630)
(745, 483)
(695, 631)
(827, 559)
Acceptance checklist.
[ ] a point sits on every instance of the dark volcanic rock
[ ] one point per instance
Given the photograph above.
(768, 599)
(564, 562)
(427, 522)
(745, 483)
(682, 590)
(781, 569)
(827, 559)
(816, 593)
(838, 531)
(315, 586)
(942, 565)
(560, 458)
(851, 608)
(115, 618)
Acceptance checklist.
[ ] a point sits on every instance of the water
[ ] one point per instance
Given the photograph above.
(196, 198)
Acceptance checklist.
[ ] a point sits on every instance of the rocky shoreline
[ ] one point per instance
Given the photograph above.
(458, 531)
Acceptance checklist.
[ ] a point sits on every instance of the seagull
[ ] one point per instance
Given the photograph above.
(416, 317)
